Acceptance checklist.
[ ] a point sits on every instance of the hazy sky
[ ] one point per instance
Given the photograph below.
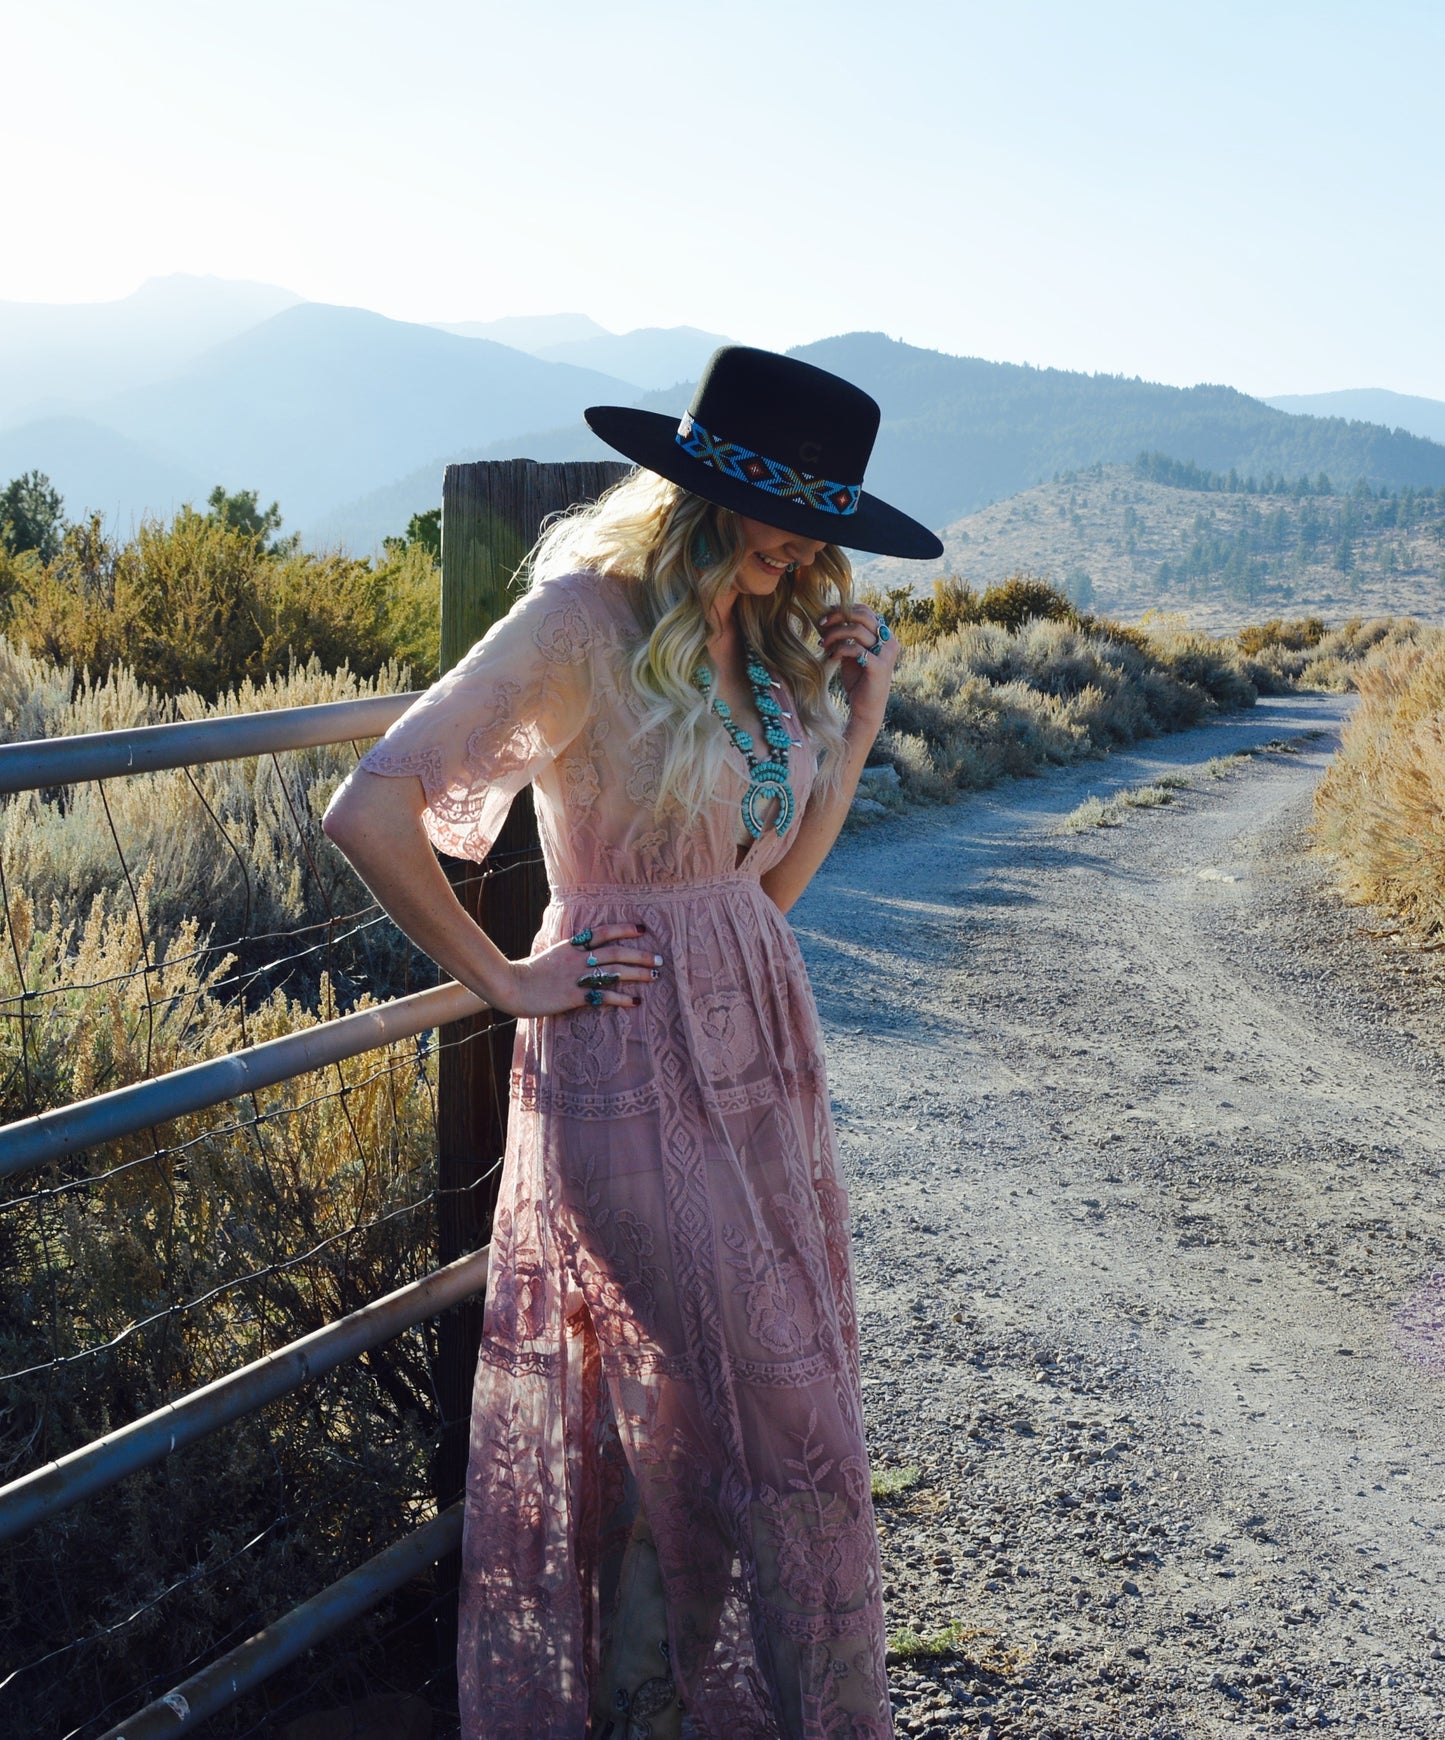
(1242, 192)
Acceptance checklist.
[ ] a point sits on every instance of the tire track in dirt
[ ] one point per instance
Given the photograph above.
(1145, 1157)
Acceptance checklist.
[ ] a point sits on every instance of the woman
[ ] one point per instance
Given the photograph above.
(668, 1502)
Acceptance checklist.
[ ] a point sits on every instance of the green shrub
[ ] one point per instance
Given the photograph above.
(984, 702)
(202, 604)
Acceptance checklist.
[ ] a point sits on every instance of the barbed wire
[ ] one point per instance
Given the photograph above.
(285, 1208)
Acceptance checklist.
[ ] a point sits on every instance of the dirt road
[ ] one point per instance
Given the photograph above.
(1145, 1147)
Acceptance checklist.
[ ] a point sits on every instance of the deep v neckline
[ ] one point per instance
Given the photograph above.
(785, 806)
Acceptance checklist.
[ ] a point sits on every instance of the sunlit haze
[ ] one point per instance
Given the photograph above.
(1238, 193)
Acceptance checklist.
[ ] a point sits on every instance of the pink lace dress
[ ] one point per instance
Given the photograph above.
(670, 1315)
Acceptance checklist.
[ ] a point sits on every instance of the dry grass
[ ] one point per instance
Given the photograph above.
(1380, 809)
(893, 1482)
(1221, 766)
(1305, 655)
(974, 703)
(237, 841)
(1094, 812)
(339, 1164)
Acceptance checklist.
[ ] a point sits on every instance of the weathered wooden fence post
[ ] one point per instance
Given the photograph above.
(491, 514)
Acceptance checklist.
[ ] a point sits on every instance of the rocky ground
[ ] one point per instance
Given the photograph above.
(1145, 1136)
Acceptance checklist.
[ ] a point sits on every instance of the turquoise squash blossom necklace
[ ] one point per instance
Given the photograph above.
(767, 776)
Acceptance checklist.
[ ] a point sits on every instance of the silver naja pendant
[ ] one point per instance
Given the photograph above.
(762, 791)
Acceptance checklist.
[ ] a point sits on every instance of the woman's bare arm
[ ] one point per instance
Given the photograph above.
(845, 633)
(376, 821)
(817, 831)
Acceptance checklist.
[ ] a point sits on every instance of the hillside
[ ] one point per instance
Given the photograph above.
(318, 404)
(1371, 405)
(960, 432)
(650, 357)
(653, 358)
(54, 356)
(98, 471)
(1124, 544)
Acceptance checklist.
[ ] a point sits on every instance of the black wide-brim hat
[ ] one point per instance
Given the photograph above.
(777, 440)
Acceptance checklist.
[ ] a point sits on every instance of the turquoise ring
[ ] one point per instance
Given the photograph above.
(593, 999)
(582, 940)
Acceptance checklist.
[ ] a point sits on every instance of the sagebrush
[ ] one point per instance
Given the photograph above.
(1016, 679)
(275, 1215)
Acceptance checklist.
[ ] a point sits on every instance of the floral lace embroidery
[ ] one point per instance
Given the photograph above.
(727, 1033)
(670, 1317)
(780, 1316)
(588, 1047)
(826, 1543)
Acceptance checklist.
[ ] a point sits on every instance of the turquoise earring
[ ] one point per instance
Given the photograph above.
(702, 556)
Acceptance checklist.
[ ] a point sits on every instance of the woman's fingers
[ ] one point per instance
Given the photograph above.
(616, 963)
(620, 972)
(852, 633)
(594, 936)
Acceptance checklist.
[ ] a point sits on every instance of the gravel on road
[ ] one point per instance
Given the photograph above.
(1144, 1139)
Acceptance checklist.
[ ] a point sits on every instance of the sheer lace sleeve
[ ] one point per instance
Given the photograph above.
(477, 736)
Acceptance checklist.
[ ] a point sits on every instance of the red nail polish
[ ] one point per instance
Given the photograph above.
(637, 1002)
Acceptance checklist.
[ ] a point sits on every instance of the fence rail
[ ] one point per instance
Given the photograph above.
(45, 1491)
(192, 742)
(254, 1662)
(121, 1112)
(63, 1131)
(490, 514)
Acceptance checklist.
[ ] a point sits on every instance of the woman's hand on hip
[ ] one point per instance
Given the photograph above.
(609, 969)
(865, 658)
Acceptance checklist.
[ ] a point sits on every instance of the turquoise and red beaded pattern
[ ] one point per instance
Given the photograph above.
(767, 776)
(771, 475)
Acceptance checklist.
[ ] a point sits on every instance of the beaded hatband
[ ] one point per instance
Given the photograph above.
(770, 475)
(767, 778)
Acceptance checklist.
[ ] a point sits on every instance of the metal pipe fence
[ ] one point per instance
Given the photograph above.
(193, 742)
(58, 1485)
(223, 1681)
(115, 999)
(144, 1104)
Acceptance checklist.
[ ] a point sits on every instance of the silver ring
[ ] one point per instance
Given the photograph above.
(863, 656)
(599, 981)
(582, 940)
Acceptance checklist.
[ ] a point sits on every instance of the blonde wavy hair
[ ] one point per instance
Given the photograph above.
(679, 553)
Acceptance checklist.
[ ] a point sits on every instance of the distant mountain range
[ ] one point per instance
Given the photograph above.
(347, 418)
(135, 406)
(318, 402)
(959, 433)
(56, 357)
(1371, 405)
(651, 357)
